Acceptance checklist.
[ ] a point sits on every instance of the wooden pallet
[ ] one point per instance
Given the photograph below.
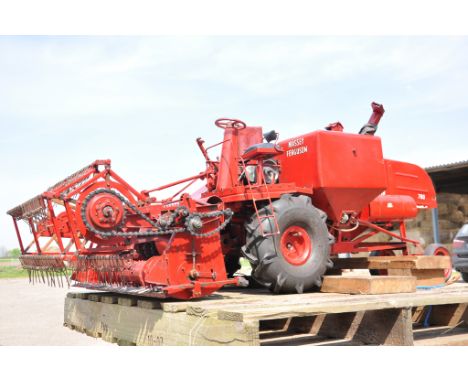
(427, 270)
(366, 284)
(255, 317)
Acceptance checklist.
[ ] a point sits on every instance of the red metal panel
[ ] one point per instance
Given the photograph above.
(410, 179)
(346, 171)
(386, 208)
(235, 143)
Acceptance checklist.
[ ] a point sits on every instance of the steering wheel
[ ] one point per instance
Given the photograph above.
(226, 123)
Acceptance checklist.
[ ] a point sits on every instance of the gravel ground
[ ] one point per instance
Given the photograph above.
(33, 315)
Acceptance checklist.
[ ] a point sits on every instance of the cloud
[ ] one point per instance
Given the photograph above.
(65, 101)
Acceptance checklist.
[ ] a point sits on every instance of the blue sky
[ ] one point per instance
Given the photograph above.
(142, 101)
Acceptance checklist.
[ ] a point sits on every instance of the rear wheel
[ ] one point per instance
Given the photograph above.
(464, 276)
(295, 260)
(439, 250)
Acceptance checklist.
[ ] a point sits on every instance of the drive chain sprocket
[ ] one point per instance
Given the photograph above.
(162, 224)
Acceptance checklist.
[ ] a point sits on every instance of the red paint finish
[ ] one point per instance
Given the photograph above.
(176, 246)
(408, 179)
(296, 245)
(377, 113)
(345, 171)
(105, 211)
(236, 141)
(386, 208)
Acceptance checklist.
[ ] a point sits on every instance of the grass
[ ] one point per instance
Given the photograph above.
(13, 259)
(245, 266)
(12, 272)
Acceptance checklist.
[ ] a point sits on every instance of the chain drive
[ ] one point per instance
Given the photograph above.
(162, 224)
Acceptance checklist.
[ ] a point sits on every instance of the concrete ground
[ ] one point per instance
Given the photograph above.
(33, 315)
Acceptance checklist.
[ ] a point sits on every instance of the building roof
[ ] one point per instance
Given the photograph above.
(450, 177)
(448, 166)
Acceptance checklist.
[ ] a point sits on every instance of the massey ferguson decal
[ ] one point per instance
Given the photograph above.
(296, 147)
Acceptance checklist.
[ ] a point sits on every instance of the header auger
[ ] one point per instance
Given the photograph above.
(287, 206)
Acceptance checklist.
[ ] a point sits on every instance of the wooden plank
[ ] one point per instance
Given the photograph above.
(154, 327)
(273, 301)
(368, 284)
(109, 299)
(424, 277)
(460, 339)
(341, 325)
(288, 339)
(228, 296)
(419, 314)
(449, 315)
(127, 301)
(94, 297)
(386, 327)
(149, 304)
(201, 307)
(373, 327)
(441, 336)
(393, 262)
(349, 303)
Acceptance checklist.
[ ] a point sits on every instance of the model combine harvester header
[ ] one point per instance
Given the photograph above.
(287, 206)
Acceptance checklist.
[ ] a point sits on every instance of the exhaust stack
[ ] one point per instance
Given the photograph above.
(370, 127)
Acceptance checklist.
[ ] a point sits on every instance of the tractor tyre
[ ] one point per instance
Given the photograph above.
(294, 260)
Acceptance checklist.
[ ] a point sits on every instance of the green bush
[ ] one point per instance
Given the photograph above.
(14, 253)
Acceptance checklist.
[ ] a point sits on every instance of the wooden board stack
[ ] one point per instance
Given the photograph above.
(425, 271)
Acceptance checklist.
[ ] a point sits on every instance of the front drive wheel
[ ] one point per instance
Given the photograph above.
(295, 260)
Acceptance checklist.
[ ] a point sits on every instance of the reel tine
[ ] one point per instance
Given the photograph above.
(110, 270)
(29, 274)
(65, 274)
(113, 267)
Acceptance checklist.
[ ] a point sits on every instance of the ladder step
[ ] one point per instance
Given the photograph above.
(270, 234)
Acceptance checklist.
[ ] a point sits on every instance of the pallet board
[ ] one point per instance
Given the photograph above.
(424, 277)
(249, 317)
(363, 284)
(393, 262)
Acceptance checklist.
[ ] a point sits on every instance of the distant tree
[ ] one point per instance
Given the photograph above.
(14, 253)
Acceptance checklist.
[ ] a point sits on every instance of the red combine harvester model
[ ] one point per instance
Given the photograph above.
(286, 206)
